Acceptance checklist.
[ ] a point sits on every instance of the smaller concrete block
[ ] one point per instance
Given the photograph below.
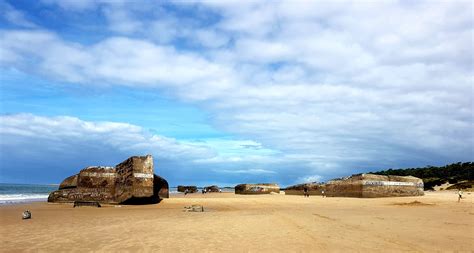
(190, 188)
(256, 188)
(212, 188)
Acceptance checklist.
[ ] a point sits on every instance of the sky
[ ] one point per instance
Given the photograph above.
(228, 92)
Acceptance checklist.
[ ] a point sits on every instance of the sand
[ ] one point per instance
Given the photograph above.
(236, 223)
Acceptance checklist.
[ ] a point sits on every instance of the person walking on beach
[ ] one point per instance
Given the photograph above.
(185, 192)
(305, 191)
(459, 195)
(322, 193)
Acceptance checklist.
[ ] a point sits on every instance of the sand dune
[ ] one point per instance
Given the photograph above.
(282, 223)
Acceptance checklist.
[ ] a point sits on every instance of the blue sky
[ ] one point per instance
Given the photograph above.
(224, 92)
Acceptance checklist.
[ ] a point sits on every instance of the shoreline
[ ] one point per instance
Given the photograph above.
(222, 194)
(26, 201)
(227, 194)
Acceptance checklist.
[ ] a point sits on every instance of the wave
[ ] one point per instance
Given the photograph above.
(20, 198)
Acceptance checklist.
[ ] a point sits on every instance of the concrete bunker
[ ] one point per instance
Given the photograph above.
(257, 188)
(374, 186)
(131, 182)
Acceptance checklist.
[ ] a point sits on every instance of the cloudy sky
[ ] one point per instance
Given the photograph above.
(229, 92)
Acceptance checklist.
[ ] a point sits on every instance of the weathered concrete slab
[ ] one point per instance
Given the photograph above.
(194, 208)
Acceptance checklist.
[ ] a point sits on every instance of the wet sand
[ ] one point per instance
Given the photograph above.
(237, 223)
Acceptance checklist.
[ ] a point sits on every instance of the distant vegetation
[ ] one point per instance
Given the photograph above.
(461, 174)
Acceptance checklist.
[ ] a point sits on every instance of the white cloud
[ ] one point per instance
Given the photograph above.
(116, 60)
(14, 16)
(210, 38)
(165, 29)
(246, 171)
(308, 179)
(69, 132)
(120, 20)
(46, 140)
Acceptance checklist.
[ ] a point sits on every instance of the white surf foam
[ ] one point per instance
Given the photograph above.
(19, 198)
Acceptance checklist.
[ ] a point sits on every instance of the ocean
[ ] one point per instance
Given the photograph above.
(17, 193)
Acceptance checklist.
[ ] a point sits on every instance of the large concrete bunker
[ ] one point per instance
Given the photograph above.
(130, 182)
(373, 186)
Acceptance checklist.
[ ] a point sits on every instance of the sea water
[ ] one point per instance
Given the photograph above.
(17, 193)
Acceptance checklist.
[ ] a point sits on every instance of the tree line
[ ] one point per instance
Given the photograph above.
(456, 173)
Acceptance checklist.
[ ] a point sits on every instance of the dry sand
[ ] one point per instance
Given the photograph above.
(270, 223)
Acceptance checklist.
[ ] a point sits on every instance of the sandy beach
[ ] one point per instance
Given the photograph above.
(238, 223)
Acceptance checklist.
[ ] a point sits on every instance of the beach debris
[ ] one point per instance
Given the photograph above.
(26, 215)
(194, 208)
(256, 188)
(131, 182)
(87, 203)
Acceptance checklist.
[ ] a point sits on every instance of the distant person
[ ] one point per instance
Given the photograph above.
(186, 192)
(459, 195)
(220, 190)
(322, 194)
(305, 191)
